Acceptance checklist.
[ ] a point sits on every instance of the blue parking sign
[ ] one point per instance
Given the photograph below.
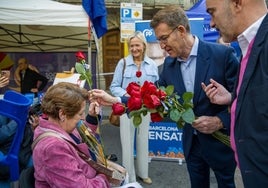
(126, 13)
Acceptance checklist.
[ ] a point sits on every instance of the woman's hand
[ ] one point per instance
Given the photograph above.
(102, 97)
(94, 109)
(217, 93)
(34, 121)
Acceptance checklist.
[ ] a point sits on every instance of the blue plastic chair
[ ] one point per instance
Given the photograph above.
(15, 106)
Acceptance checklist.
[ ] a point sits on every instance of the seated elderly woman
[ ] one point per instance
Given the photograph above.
(56, 159)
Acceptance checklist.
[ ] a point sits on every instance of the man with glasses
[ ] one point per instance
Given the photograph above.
(192, 61)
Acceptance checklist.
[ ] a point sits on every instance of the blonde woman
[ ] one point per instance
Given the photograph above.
(136, 67)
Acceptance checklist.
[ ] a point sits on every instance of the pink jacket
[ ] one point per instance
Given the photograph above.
(57, 163)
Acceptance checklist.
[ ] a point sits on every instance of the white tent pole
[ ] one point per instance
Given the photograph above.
(95, 38)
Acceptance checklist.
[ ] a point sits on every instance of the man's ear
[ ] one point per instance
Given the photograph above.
(237, 3)
(181, 29)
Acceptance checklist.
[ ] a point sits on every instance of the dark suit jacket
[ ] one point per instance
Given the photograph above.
(30, 81)
(251, 127)
(213, 61)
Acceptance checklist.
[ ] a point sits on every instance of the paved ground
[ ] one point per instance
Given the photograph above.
(164, 174)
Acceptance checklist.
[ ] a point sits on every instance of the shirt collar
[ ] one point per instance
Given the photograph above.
(193, 52)
(245, 38)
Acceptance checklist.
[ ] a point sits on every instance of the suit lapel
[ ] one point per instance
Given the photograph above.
(202, 65)
(176, 74)
(252, 61)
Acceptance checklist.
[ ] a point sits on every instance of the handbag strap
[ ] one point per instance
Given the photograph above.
(54, 134)
(123, 71)
(43, 135)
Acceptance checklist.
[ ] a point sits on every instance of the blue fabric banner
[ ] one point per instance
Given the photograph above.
(97, 12)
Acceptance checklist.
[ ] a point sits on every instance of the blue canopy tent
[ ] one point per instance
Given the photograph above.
(199, 11)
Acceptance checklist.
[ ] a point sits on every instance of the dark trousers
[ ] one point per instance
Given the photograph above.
(199, 169)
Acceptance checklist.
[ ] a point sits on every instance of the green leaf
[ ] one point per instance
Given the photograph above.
(188, 105)
(175, 115)
(88, 75)
(80, 68)
(82, 77)
(187, 97)
(188, 116)
(169, 90)
(133, 113)
(137, 120)
(140, 111)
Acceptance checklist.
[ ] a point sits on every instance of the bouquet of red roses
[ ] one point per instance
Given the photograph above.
(160, 102)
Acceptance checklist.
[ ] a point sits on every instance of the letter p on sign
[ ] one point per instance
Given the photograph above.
(126, 13)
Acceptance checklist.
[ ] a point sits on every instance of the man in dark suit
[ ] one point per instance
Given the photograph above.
(247, 22)
(30, 80)
(192, 61)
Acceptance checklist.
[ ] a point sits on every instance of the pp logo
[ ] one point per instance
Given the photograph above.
(148, 32)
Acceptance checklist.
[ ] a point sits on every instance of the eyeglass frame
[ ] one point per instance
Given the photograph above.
(163, 39)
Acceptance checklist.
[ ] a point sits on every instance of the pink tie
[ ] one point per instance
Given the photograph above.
(233, 108)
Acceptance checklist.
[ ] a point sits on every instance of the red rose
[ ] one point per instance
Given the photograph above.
(138, 74)
(156, 117)
(151, 101)
(148, 88)
(134, 103)
(118, 109)
(134, 93)
(161, 94)
(133, 86)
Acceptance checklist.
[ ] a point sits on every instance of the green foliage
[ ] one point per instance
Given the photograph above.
(179, 110)
(169, 90)
(222, 137)
(188, 116)
(137, 120)
(171, 107)
(84, 75)
(80, 68)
